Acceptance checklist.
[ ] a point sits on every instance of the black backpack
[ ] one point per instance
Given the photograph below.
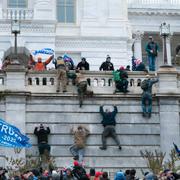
(144, 84)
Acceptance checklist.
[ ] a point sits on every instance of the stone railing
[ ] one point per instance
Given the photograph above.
(2, 81)
(100, 82)
(22, 14)
(157, 4)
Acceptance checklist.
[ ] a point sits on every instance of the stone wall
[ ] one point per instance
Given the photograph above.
(27, 104)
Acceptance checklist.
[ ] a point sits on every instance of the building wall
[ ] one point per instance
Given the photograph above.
(27, 105)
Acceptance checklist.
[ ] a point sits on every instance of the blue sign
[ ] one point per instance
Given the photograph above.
(10, 136)
(48, 51)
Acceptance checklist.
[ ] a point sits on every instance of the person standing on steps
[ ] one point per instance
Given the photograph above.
(109, 124)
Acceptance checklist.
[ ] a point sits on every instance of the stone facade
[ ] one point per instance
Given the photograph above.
(27, 104)
(99, 28)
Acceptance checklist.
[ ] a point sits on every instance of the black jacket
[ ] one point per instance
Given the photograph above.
(108, 118)
(42, 134)
(106, 66)
(83, 65)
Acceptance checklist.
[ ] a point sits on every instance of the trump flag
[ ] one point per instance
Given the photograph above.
(10, 136)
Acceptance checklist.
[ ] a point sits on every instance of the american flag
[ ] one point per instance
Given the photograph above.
(133, 63)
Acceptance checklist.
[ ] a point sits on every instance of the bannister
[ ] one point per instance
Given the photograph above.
(22, 14)
(171, 4)
(100, 82)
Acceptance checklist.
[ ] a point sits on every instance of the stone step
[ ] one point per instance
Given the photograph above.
(87, 118)
(98, 128)
(96, 140)
(94, 151)
(75, 108)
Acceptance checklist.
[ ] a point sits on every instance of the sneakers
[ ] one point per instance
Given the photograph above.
(64, 91)
(57, 90)
(76, 157)
(120, 147)
(102, 148)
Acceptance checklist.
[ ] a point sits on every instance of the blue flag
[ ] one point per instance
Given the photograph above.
(48, 51)
(10, 136)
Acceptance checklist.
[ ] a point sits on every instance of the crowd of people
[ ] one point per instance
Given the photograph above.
(77, 172)
(63, 65)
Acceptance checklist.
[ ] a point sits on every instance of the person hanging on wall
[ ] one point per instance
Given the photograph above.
(42, 133)
(152, 52)
(107, 65)
(39, 65)
(146, 100)
(109, 124)
(78, 148)
(82, 87)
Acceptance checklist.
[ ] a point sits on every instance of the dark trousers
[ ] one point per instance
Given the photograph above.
(109, 130)
(44, 148)
(122, 85)
(82, 89)
(146, 103)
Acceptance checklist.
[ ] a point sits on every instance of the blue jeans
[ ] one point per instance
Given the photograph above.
(151, 61)
(146, 103)
(75, 151)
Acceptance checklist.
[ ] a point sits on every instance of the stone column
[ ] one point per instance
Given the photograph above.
(168, 47)
(1, 9)
(168, 109)
(15, 103)
(137, 35)
(1, 57)
(45, 10)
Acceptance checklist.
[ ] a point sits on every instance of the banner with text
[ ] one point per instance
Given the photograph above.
(10, 136)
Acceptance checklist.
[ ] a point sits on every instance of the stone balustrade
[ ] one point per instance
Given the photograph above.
(22, 14)
(153, 3)
(100, 82)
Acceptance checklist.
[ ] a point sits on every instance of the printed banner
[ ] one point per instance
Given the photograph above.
(10, 136)
(48, 51)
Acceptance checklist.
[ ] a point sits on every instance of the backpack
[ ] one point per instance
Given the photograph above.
(116, 76)
(144, 84)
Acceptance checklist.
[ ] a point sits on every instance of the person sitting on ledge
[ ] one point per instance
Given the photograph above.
(120, 77)
(6, 62)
